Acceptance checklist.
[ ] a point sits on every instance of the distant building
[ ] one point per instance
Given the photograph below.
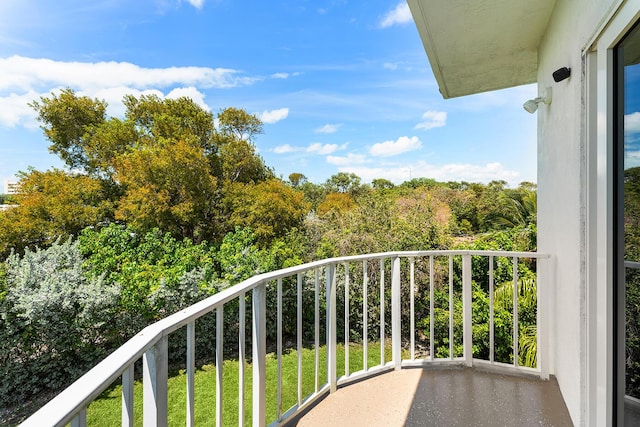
(10, 186)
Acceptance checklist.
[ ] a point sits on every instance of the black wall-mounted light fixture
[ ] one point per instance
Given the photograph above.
(561, 74)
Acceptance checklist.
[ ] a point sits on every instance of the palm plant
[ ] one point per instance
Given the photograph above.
(527, 308)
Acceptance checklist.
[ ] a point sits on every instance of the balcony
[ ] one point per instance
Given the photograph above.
(437, 361)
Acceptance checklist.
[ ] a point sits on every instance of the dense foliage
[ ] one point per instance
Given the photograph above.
(171, 204)
(55, 321)
(632, 279)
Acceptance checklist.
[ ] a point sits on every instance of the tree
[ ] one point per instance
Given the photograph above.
(297, 179)
(68, 121)
(168, 186)
(337, 203)
(313, 193)
(382, 184)
(420, 182)
(157, 119)
(513, 208)
(162, 160)
(241, 163)
(238, 159)
(343, 182)
(50, 205)
(142, 263)
(238, 124)
(270, 208)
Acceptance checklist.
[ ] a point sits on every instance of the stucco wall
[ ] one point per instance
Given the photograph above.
(561, 192)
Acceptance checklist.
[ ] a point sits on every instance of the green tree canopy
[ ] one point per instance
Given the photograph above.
(238, 124)
(68, 121)
(270, 208)
(168, 186)
(343, 182)
(53, 204)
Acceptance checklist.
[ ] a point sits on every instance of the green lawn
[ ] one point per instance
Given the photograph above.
(106, 410)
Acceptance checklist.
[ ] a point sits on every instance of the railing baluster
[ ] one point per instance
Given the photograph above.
(412, 307)
(365, 318)
(279, 347)
(155, 372)
(467, 309)
(450, 307)
(396, 321)
(491, 313)
(80, 420)
(346, 319)
(431, 307)
(190, 368)
(241, 356)
(259, 354)
(219, 362)
(299, 339)
(515, 311)
(331, 328)
(127, 396)
(316, 312)
(382, 311)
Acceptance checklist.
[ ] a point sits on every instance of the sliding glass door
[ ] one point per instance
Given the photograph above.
(627, 229)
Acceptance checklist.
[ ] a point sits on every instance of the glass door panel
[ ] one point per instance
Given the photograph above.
(628, 219)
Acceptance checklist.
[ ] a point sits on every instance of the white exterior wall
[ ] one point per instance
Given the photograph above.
(562, 193)
(10, 187)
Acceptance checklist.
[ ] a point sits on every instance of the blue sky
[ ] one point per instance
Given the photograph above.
(340, 85)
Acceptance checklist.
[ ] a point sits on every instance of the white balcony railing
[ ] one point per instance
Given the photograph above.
(406, 272)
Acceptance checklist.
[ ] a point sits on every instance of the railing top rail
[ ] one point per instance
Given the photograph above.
(61, 409)
(632, 264)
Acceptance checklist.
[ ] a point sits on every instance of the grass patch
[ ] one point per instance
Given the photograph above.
(106, 410)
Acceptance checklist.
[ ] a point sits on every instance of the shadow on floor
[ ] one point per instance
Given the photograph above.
(468, 397)
(442, 397)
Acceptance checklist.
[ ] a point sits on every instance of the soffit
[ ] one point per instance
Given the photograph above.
(481, 45)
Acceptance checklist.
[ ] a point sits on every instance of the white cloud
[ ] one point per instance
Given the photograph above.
(189, 92)
(432, 119)
(328, 128)
(398, 16)
(286, 148)
(393, 148)
(390, 66)
(273, 116)
(318, 148)
(283, 76)
(21, 73)
(348, 160)
(23, 80)
(14, 109)
(315, 148)
(196, 3)
(447, 172)
(632, 123)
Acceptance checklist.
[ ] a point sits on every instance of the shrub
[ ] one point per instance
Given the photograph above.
(55, 323)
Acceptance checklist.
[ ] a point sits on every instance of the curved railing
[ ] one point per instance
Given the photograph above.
(379, 288)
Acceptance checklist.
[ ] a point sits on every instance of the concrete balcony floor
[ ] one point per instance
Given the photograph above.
(442, 397)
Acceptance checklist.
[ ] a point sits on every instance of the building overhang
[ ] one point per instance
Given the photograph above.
(482, 45)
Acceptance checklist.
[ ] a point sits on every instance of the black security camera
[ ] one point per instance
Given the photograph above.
(561, 74)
